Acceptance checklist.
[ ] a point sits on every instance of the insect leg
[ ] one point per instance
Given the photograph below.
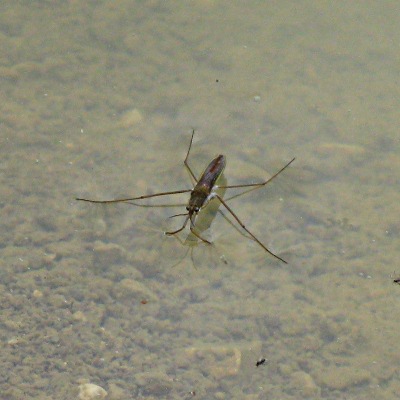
(134, 198)
(192, 229)
(186, 160)
(243, 226)
(180, 229)
(261, 183)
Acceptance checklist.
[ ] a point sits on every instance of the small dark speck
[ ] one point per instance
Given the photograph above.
(260, 362)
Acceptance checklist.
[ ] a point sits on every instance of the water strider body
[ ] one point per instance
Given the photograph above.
(201, 194)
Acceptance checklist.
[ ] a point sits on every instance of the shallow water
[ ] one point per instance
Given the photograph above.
(99, 100)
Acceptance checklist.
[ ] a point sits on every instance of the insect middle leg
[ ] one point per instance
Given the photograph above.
(192, 229)
(128, 199)
(244, 227)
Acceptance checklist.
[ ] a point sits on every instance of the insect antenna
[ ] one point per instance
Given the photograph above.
(178, 215)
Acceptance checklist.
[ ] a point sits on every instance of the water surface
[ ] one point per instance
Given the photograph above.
(99, 100)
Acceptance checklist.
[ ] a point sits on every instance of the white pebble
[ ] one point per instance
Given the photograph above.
(90, 391)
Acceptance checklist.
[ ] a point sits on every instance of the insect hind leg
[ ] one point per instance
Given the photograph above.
(186, 160)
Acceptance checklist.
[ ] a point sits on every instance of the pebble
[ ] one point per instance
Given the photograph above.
(37, 294)
(131, 118)
(89, 391)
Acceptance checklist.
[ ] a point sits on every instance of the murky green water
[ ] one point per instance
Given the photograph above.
(99, 100)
